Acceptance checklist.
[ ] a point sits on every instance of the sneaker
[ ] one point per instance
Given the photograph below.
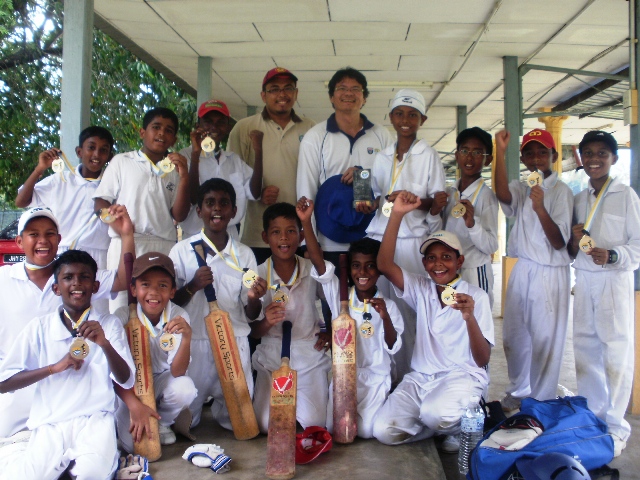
(510, 403)
(451, 444)
(167, 437)
(618, 446)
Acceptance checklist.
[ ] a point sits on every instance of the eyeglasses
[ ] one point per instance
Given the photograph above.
(278, 91)
(474, 153)
(602, 154)
(343, 89)
(531, 154)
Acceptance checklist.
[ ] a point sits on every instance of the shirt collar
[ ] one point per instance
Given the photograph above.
(471, 188)
(332, 124)
(550, 181)
(59, 331)
(294, 117)
(615, 186)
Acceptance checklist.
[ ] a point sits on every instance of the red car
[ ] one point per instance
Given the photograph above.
(9, 251)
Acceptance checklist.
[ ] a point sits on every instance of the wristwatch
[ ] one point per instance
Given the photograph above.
(613, 256)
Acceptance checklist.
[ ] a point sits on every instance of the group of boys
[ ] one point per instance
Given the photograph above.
(429, 335)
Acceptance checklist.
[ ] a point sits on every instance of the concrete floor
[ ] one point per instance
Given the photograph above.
(368, 459)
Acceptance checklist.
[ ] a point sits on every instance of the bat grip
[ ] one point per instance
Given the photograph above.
(344, 291)
(286, 339)
(128, 269)
(198, 248)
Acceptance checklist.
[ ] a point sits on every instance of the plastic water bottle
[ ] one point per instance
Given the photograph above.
(471, 434)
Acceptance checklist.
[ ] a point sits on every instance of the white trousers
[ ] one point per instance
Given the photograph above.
(312, 369)
(536, 315)
(173, 394)
(425, 405)
(15, 408)
(373, 390)
(204, 374)
(481, 277)
(89, 441)
(603, 333)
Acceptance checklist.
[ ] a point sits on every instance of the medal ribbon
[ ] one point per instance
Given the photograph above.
(68, 164)
(154, 168)
(395, 172)
(147, 323)
(31, 266)
(82, 232)
(451, 283)
(235, 265)
(83, 317)
(474, 198)
(277, 286)
(365, 309)
(596, 205)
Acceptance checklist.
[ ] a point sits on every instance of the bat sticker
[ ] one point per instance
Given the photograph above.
(282, 384)
(342, 337)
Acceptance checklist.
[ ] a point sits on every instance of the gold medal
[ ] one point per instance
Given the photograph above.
(458, 211)
(280, 297)
(533, 179)
(448, 296)
(167, 341)
(366, 329)
(166, 165)
(105, 216)
(208, 144)
(386, 209)
(587, 244)
(57, 165)
(79, 349)
(248, 278)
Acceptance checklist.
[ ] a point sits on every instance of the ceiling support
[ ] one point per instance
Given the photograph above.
(512, 119)
(204, 79)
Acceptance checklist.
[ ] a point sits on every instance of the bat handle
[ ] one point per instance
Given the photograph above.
(198, 248)
(344, 291)
(286, 339)
(128, 268)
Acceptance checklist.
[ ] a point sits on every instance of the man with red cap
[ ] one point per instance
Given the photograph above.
(275, 133)
(207, 159)
(536, 311)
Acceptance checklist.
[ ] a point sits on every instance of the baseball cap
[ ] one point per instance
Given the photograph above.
(442, 236)
(213, 106)
(278, 72)
(311, 443)
(35, 212)
(409, 98)
(540, 136)
(599, 136)
(150, 260)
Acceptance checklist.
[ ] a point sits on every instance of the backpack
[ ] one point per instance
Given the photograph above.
(569, 428)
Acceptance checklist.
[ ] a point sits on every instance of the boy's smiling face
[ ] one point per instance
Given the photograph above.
(441, 263)
(597, 159)
(216, 211)
(283, 237)
(76, 283)
(536, 156)
(471, 164)
(363, 270)
(153, 290)
(93, 154)
(406, 121)
(159, 136)
(39, 240)
(216, 125)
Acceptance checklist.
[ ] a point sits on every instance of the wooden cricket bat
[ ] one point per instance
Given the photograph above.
(140, 346)
(228, 363)
(281, 440)
(343, 348)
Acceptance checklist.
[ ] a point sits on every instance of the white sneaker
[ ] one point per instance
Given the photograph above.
(167, 437)
(451, 444)
(618, 446)
(510, 403)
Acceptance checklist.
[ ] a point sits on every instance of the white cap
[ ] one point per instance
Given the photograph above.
(442, 236)
(34, 213)
(409, 98)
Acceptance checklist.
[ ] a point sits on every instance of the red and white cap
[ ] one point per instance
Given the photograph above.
(538, 135)
(311, 443)
(213, 106)
(278, 72)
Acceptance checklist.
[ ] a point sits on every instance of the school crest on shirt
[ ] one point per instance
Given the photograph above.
(369, 150)
(300, 137)
(171, 186)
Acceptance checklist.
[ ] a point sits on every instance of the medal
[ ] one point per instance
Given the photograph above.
(208, 144)
(587, 243)
(366, 329)
(249, 277)
(458, 211)
(448, 295)
(167, 341)
(105, 216)
(534, 178)
(280, 297)
(57, 165)
(166, 165)
(387, 208)
(79, 348)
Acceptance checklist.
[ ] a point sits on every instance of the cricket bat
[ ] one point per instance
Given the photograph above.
(140, 346)
(343, 348)
(281, 440)
(228, 363)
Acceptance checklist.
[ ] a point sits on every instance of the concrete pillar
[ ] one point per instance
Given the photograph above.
(461, 124)
(251, 110)
(512, 119)
(554, 126)
(204, 80)
(76, 73)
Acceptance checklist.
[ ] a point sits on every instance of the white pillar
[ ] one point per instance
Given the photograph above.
(204, 79)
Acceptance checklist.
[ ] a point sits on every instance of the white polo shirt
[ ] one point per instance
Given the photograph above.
(615, 226)
(72, 393)
(527, 238)
(480, 241)
(229, 167)
(326, 151)
(71, 201)
(442, 340)
(128, 180)
(421, 173)
(230, 293)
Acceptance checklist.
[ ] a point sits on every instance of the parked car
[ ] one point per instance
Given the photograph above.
(9, 251)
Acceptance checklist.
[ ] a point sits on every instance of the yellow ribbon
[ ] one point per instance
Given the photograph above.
(236, 264)
(596, 204)
(82, 318)
(147, 323)
(277, 286)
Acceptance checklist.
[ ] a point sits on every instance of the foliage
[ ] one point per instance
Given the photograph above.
(123, 88)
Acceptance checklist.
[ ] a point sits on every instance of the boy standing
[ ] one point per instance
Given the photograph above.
(537, 300)
(226, 260)
(72, 413)
(453, 340)
(288, 274)
(605, 242)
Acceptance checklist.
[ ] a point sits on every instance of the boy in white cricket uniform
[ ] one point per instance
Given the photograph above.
(453, 340)
(153, 282)
(477, 229)
(537, 301)
(213, 122)
(603, 302)
(226, 259)
(26, 292)
(412, 165)
(72, 416)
